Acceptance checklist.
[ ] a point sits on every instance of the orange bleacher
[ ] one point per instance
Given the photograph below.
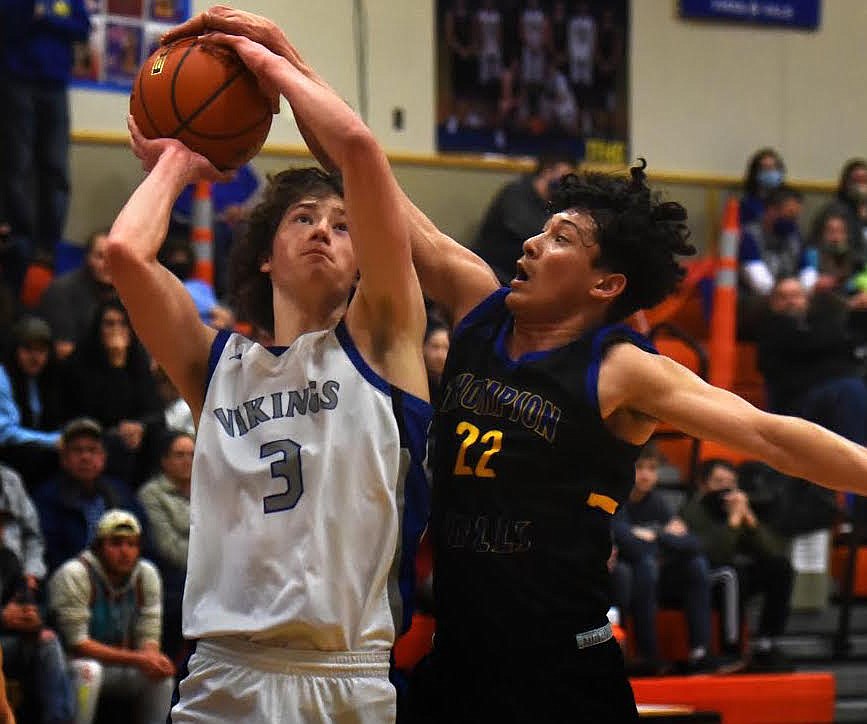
(802, 698)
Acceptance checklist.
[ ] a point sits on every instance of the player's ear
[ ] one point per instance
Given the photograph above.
(265, 266)
(608, 286)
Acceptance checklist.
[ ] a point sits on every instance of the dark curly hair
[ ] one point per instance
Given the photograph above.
(638, 234)
(250, 290)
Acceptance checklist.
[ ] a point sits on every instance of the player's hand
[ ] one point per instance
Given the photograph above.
(231, 21)
(224, 19)
(150, 150)
(260, 61)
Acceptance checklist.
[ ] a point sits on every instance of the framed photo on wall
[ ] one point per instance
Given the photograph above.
(526, 77)
(123, 34)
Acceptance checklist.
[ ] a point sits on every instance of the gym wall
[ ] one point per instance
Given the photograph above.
(702, 98)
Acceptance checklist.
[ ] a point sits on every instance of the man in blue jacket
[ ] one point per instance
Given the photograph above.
(36, 38)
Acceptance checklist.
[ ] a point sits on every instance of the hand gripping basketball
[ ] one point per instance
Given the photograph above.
(204, 96)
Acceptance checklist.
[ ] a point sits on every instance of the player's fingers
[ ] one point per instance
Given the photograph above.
(193, 26)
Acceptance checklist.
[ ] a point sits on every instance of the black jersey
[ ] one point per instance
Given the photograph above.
(526, 480)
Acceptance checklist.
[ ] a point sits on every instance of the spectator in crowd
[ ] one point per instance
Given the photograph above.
(770, 249)
(517, 213)
(21, 532)
(436, 349)
(107, 605)
(70, 301)
(71, 503)
(230, 203)
(766, 172)
(660, 561)
(179, 257)
(851, 200)
(30, 402)
(807, 356)
(35, 62)
(165, 499)
(108, 378)
(31, 652)
(806, 353)
(720, 514)
(838, 263)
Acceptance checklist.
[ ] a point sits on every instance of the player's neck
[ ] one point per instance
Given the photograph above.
(539, 335)
(292, 319)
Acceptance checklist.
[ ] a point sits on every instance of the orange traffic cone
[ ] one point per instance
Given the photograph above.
(723, 330)
(203, 232)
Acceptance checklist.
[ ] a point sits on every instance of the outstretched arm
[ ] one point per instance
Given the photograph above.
(160, 308)
(449, 273)
(631, 380)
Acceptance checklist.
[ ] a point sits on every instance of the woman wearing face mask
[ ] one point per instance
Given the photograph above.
(850, 202)
(765, 173)
(838, 267)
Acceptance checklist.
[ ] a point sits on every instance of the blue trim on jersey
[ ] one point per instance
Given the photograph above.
(503, 353)
(413, 420)
(481, 309)
(597, 350)
(367, 372)
(217, 347)
(357, 360)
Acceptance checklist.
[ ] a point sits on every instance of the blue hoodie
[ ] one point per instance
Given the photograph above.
(36, 38)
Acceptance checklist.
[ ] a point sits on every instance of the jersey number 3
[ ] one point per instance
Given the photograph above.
(287, 467)
(493, 439)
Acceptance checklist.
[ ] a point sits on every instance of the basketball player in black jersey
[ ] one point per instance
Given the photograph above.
(546, 401)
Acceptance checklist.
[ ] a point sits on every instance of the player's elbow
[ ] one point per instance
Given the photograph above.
(359, 147)
(122, 257)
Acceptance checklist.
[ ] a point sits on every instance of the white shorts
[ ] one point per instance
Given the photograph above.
(233, 680)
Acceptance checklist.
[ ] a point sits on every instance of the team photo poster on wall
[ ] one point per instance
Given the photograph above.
(123, 34)
(525, 77)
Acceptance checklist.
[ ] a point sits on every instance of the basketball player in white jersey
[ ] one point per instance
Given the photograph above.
(307, 490)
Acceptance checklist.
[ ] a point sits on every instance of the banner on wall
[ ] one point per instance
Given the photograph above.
(802, 14)
(123, 34)
(529, 77)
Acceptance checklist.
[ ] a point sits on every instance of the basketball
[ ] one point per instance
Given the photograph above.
(206, 98)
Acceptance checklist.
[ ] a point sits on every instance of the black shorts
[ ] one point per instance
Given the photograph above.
(456, 685)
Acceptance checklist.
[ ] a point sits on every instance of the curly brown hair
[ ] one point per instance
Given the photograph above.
(249, 288)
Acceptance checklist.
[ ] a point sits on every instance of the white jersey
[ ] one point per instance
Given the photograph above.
(308, 497)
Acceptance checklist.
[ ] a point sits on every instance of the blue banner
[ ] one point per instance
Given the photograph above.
(787, 13)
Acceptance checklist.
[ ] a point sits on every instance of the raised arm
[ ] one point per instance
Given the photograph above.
(160, 308)
(633, 381)
(386, 315)
(449, 273)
